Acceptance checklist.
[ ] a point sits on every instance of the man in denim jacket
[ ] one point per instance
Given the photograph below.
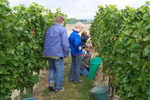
(56, 48)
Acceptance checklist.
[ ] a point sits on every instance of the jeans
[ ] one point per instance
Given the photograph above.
(84, 72)
(74, 74)
(56, 72)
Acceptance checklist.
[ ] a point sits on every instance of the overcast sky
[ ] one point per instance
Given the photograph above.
(82, 9)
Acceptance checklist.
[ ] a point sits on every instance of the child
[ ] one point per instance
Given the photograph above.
(85, 65)
(84, 38)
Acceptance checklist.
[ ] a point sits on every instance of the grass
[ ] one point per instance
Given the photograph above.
(72, 91)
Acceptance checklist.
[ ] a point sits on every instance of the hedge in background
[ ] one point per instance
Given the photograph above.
(22, 31)
(122, 38)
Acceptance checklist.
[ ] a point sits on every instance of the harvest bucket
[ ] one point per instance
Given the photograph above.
(94, 65)
(100, 92)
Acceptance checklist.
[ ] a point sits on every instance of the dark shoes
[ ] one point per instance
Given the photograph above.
(60, 90)
(70, 80)
(75, 81)
(51, 87)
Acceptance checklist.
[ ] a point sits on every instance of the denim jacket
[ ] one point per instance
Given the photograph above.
(56, 42)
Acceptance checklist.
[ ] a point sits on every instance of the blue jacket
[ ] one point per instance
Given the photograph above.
(56, 42)
(75, 43)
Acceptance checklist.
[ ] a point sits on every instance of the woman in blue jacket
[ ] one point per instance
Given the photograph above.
(76, 53)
